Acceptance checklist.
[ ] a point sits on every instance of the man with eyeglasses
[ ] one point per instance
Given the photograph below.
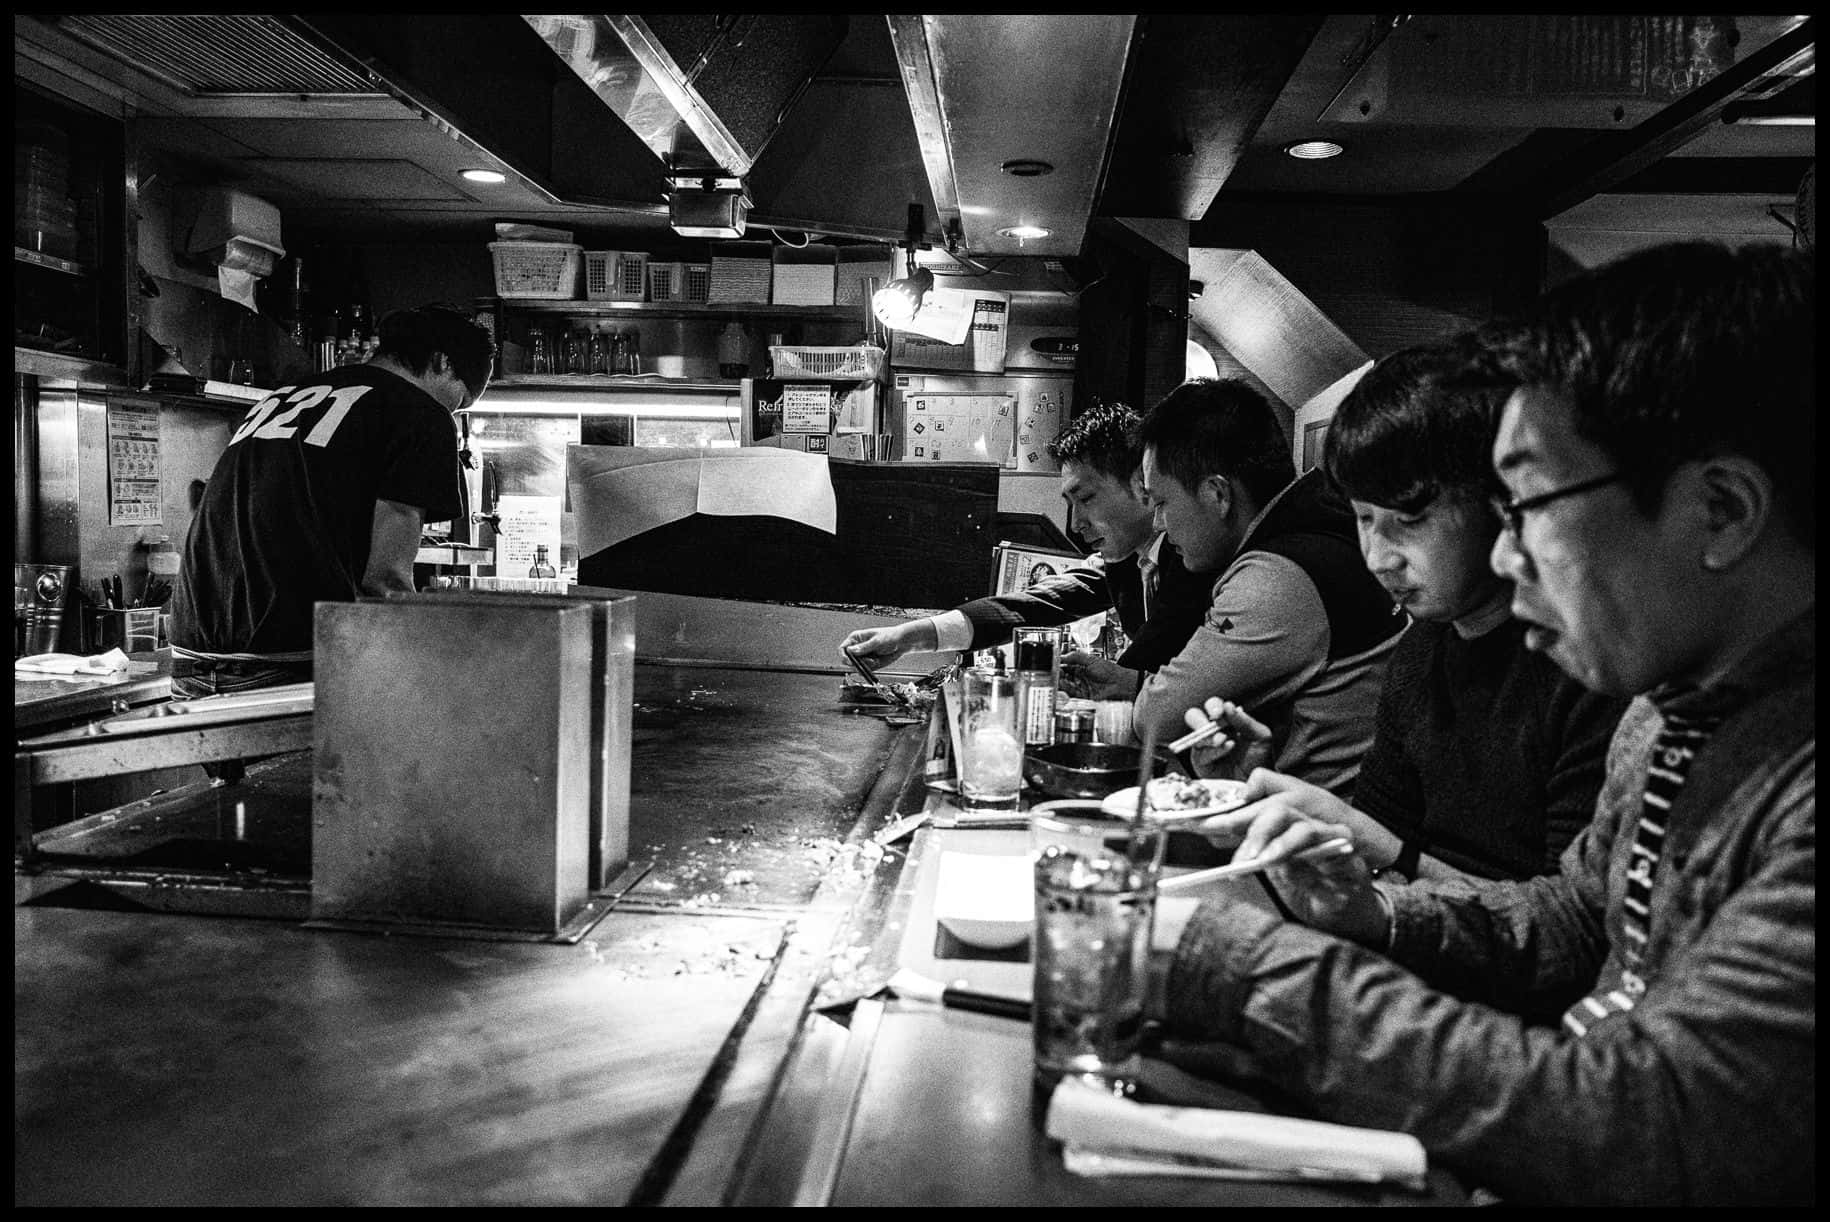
(1641, 1027)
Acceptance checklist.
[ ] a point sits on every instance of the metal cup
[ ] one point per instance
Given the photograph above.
(1096, 878)
(42, 595)
(129, 629)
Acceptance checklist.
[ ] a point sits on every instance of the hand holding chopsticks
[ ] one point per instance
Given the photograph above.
(1245, 741)
(1339, 846)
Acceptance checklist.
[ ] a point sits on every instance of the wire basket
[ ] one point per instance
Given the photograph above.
(698, 278)
(862, 363)
(616, 275)
(541, 271)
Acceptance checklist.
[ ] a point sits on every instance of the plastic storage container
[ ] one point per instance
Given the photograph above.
(536, 271)
(860, 363)
(616, 275)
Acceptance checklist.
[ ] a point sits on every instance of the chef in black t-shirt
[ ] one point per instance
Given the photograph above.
(320, 497)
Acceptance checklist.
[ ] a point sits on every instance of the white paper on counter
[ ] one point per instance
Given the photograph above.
(1083, 1117)
(618, 492)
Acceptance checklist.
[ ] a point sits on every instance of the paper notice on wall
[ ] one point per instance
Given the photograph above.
(527, 523)
(807, 409)
(134, 487)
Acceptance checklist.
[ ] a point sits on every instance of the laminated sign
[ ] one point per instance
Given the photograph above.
(960, 428)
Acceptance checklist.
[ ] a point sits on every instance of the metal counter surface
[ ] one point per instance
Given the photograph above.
(51, 699)
(177, 1059)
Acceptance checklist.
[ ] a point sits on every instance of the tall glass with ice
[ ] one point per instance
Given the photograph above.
(1096, 882)
(991, 742)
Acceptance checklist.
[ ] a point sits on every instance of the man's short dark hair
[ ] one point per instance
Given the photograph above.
(1219, 426)
(414, 336)
(1414, 427)
(1104, 437)
(1685, 351)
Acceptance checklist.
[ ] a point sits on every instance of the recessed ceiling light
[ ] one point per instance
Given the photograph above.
(1025, 233)
(490, 176)
(1314, 150)
(1024, 167)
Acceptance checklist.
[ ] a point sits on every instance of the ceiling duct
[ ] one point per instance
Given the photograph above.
(706, 92)
(216, 55)
(989, 91)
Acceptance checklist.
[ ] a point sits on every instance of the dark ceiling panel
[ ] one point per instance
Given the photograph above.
(1717, 176)
(749, 69)
(355, 178)
(1617, 156)
(491, 77)
(846, 160)
(1198, 88)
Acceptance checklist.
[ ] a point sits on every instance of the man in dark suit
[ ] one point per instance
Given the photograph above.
(1159, 602)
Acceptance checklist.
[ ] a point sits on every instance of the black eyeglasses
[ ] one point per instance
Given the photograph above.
(1512, 512)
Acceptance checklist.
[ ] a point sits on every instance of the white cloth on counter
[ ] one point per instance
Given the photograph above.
(1106, 1135)
(71, 663)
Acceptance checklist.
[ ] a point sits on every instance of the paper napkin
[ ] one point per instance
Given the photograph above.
(72, 664)
(1106, 1135)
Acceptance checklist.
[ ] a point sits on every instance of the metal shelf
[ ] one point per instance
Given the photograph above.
(52, 262)
(681, 309)
(614, 382)
(62, 367)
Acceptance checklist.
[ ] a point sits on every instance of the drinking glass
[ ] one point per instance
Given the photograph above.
(1096, 877)
(991, 751)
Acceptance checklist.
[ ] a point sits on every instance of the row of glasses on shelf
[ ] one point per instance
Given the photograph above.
(584, 350)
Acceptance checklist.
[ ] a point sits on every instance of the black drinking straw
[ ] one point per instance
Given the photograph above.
(1144, 766)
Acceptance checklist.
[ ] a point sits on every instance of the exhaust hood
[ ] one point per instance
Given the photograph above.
(704, 92)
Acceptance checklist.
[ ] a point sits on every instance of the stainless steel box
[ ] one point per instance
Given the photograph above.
(613, 616)
(453, 760)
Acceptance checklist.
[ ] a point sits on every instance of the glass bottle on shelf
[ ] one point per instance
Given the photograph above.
(619, 352)
(542, 568)
(600, 351)
(576, 359)
(632, 357)
(541, 359)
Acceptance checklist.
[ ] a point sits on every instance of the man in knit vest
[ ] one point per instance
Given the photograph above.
(1296, 631)
(1641, 1027)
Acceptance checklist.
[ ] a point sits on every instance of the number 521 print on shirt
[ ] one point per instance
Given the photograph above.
(299, 401)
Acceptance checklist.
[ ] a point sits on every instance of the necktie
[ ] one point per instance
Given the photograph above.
(1146, 571)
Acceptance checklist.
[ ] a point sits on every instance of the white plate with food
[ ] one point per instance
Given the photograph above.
(1175, 798)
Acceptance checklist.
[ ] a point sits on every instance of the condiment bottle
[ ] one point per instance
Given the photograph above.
(542, 567)
(1038, 655)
